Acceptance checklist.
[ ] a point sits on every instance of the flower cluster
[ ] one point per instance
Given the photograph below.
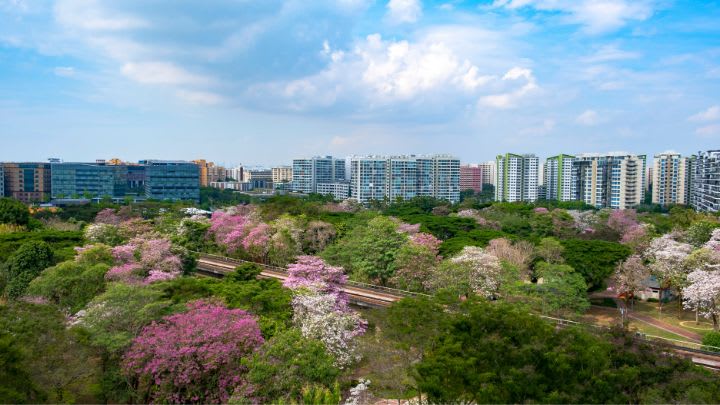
(320, 308)
(240, 230)
(426, 240)
(143, 260)
(194, 356)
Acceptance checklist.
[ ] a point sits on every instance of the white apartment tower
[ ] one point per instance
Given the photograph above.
(558, 178)
(404, 177)
(516, 177)
(705, 194)
(613, 180)
(671, 179)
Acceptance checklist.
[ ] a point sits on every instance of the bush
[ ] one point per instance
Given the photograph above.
(13, 212)
(711, 342)
(24, 265)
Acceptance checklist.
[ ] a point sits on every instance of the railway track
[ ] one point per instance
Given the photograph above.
(358, 293)
(369, 295)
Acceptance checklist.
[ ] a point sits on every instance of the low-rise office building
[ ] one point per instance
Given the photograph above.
(27, 182)
(171, 180)
(340, 191)
(88, 180)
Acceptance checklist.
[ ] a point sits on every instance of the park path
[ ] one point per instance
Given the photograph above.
(665, 326)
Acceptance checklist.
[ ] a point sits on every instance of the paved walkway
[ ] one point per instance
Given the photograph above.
(665, 326)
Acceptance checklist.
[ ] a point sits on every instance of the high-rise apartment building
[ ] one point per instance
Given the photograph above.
(171, 180)
(209, 172)
(516, 177)
(308, 173)
(27, 182)
(705, 194)
(558, 178)
(89, 180)
(404, 177)
(671, 179)
(236, 173)
(488, 172)
(282, 174)
(340, 191)
(471, 177)
(614, 180)
(2, 181)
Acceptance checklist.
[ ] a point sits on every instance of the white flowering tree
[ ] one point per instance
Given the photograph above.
(472, 270)
(667, 261)
(630, 276)
(702, 294)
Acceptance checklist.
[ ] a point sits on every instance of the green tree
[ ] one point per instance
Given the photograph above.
(711, 340)
(287, 363)
(368, 253)
(16, 384)
(699, 232)
(25, 264)
(594, 259)
(559, 289)
(70, 284)
(499, 353)
(56, 361)
(550, 250)
(13, 212)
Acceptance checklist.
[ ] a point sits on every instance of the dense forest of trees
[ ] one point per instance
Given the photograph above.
(101, 303)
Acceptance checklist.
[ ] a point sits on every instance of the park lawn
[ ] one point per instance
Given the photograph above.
(673, 314)
(605, 316)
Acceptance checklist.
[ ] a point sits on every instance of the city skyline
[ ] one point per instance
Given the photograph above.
(470, 79)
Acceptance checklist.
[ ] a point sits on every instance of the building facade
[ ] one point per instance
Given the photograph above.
(558, 178)
(516, 177)
(260, 178)
(2, 180)
(340, 191)
(671, 179)
(308, 173)
(488, 172)
(282, 174)
(172, 180)
(609, 181)
(27, 182)
(87, 180)
(705, 194)
(236, 173)
(471, 177)
(391, 178)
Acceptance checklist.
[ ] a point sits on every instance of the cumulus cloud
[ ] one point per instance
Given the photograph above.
(596, 16)
(376, 73)
(587, 118)
(404, 11)
(161, 73)
(511, 98)
(711, 114)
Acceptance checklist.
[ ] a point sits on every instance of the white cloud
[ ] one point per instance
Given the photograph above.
(64, 71)
(588, 118)
(711, 114)
(404, 11)
(200, 97)
(89, 15)
(608, 53)
(709, 131)
(510, 99)
(596, 16)
(161, 73)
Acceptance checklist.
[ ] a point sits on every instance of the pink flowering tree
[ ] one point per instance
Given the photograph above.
(313, 273)
(108, 216)
(320, 308)
(144, 261)
(625, 223)
(240, 231)
(193, 357)
(410, 229)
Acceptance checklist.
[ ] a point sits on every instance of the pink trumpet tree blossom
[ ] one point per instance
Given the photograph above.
(193, 357)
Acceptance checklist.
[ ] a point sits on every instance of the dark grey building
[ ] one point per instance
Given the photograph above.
(171, 180)
(89, 180)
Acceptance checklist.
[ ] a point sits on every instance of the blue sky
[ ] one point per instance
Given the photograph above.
(261, 82)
